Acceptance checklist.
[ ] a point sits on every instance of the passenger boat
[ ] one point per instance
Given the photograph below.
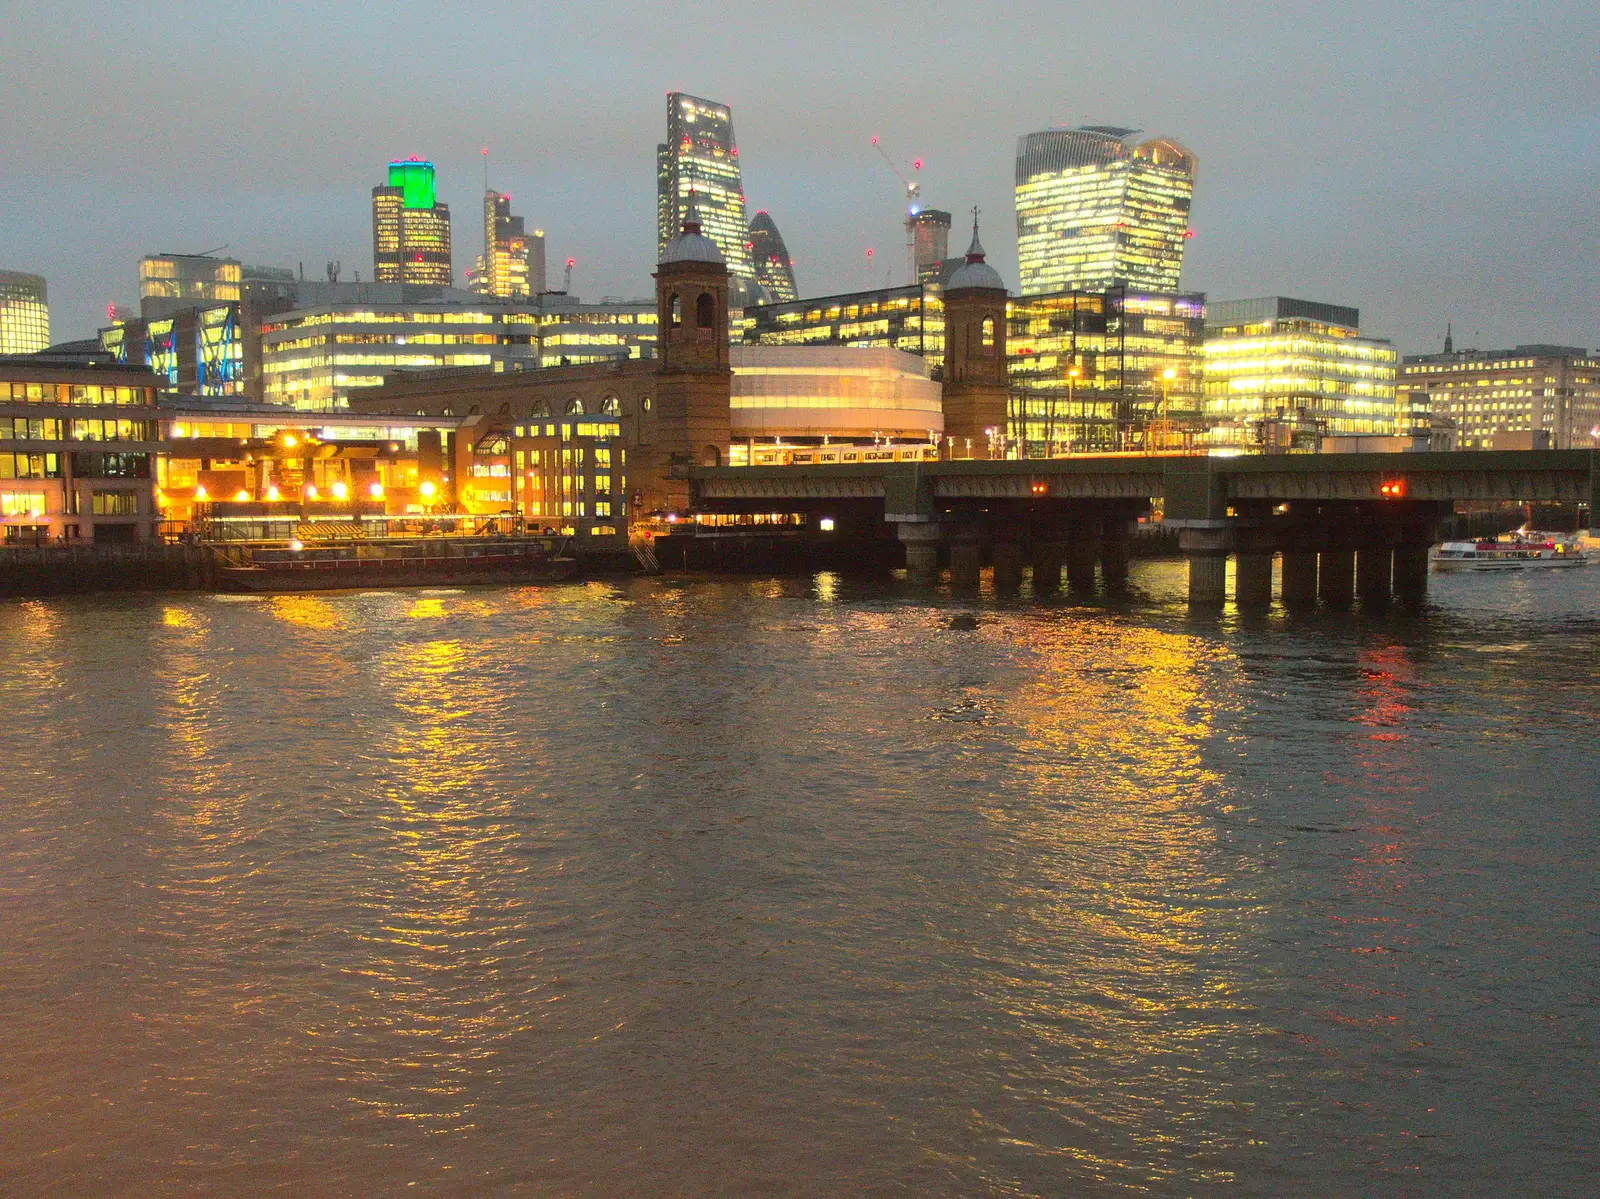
(391, 562)
(1522, 550)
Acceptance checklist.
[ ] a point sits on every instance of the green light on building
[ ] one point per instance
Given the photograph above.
(415, 180)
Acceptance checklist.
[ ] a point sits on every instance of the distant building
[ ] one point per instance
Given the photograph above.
(169, 282)
(24, 313)
(930, 245)
(196, 350)
(700, 155)
(1276, 365)
(76, 441)
(571, 332)
(1101, 207)
(774, 269)
(410, 228)
(509, 268)
(897, 318)
(1540, 394)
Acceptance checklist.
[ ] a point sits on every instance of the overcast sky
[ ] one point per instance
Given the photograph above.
(1422, 161)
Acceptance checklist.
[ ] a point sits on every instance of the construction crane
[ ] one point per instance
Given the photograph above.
(913, 201)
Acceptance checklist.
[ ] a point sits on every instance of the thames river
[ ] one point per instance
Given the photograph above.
(786, 887)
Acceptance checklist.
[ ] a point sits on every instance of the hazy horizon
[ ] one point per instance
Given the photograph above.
(1422, 163)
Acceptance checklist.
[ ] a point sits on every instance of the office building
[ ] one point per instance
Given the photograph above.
(509, 268)
(1277, 367)
(410, 228)
(196, 350)
(571, 332)
(1529, 397)
(930, 245)
(701, 156)
(807, 395)
(24, 313)
(910, 319)
(76, 441)
(1101, 207)
(1101, 371)
(169, 282)
(774, 269)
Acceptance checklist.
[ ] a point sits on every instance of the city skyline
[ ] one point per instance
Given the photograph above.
(1330, 190)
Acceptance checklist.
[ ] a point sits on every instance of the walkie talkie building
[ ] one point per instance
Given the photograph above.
(1101, 207)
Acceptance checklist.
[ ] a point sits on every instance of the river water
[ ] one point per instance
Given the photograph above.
(785, 887)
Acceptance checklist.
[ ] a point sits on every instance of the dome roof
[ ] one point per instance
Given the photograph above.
(691, 245)
(975, 272)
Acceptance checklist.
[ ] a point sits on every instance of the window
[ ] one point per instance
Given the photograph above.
(116, 503)
(574, 407)
(646, 404)
(705, 311)
(675, 311)
(21, 503)
(611, 406)
(988, 331)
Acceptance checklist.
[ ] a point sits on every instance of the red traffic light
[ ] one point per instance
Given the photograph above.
(1395, 489)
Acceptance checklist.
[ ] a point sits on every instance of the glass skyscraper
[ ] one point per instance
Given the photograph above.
(700, 155)
(506, 269)
(774, 269)
(410, 228)
(1101, 207)
(24, 313)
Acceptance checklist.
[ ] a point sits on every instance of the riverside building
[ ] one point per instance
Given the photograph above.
(1276, 365)
(77, 438)
(1100, 207)
(1529, 397)
(410, 228)
(701, 156)
(24, 313)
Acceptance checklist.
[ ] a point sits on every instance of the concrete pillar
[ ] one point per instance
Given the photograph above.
(1336, 577)
(1007, 565)
(1047, 559)
(1411, 573)
(1299, 578)
(1082, 550)
(1115, 537)
(921, 539)
(1373, 564)
(1207, 552)
(1252, 585)
(965, 559)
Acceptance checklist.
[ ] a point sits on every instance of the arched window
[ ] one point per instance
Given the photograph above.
(646, 404)
(611, 406)
(574, 407)
(705, 311)
(539, 409)
(675, 310)
(988, 331)
(711, 456)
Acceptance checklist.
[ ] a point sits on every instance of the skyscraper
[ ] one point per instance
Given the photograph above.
(1101, 207)
(410, 229)
(24, 313)
(774, 269)
(930, 242)
(505, 270)
(701, 155)
(169, 282)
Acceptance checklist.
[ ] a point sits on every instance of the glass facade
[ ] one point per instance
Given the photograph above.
(194, 351)
(774, 269)
(1543, 394)
(410, 229)
(573, 334)
(1093, 372)
(24, 313)
(186, 279)
(1279, 362)
(314, 358)
(700, 155)
(504, 269)
(1101, 207)
(900, 318)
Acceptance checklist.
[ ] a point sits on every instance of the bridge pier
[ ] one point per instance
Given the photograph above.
(1336, 578)
(1374, 562)
(1299, 578)
(1252, 576)
(1083, 548)
(1047, 560)
(1116, 537)
(965, 557)
(1207, 552)
(1007, 566)
(1411, 574)
(921, 539)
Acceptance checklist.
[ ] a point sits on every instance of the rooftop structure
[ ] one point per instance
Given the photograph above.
(168, 282)
(410, 228)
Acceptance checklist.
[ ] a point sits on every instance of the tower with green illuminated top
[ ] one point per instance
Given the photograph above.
(410, 228)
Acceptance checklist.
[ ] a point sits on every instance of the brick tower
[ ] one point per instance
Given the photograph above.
(976, 383)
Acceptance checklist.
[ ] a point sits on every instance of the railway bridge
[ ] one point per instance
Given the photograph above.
(1344, 524)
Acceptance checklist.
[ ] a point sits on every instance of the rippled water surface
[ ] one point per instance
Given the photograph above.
(785, 887)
